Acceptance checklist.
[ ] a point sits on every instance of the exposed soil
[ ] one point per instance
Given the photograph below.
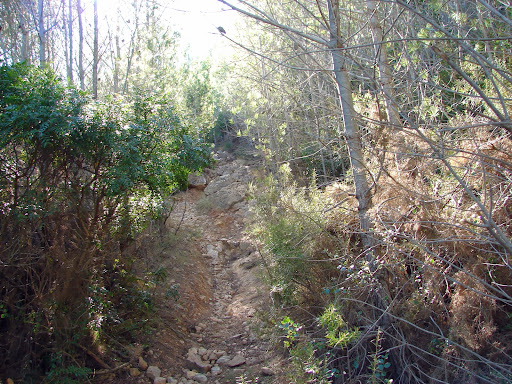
(212, 295)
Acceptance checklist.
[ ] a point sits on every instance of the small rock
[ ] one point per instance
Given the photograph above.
(190, 374)
(219, 354)
(266, 371)
(172, 380)
(200, 378)
(160, 380)
(209, 355)
(142, 364)
(223, 360)
(192, 351)
(236, 361)
(249, 264)
(134, 372)
(197, 181)
(194, 362)
(255, 360)
(202, 351)
(153, 372)
(211, 251)
(216, 370)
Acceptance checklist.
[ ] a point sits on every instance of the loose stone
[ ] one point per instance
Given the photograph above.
(238, 372)
(153, 372)
(266, 371)
(236, 361)
(223, 360)
(216, 370)
(190, 374)
(200, 378)
(142, 364)
(202, 351)
(194, 362)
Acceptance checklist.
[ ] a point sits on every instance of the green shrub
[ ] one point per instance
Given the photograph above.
(77, 179)
(290, 222)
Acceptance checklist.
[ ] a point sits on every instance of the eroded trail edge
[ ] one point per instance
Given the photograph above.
(212, 294)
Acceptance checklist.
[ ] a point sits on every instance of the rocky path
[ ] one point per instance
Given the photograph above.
(212, 297)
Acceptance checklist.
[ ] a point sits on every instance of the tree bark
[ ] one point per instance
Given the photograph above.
(25, 41)
(66, 37)
(70, 34)
(117, 60)
(385, 79)
(352, 133)
(359, 170)
(41, 32)
(95, 53)
(81, 72)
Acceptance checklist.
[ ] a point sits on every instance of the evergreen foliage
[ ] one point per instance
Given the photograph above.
(78, 179)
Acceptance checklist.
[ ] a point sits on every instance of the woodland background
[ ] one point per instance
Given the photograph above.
(385, 220)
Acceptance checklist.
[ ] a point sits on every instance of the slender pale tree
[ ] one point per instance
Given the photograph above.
(81, 70)
(384, 80)
(42, 31)
(95, 53)
(70, 37)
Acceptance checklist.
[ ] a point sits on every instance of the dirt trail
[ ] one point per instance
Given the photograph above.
(216, 270)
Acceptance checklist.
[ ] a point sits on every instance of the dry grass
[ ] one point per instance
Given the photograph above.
(448, 277)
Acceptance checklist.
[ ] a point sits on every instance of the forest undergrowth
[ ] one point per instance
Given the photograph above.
(79, 178)
(444, 278)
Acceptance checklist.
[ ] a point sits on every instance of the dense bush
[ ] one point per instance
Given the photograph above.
(77, 179)
(443, 280)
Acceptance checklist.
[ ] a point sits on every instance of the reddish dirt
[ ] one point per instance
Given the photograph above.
(212, 264)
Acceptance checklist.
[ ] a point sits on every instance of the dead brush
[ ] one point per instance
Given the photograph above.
(449, 281)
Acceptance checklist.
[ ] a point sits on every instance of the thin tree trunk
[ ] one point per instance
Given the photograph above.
(359, 170)
(117, 60)
(95, 53)
(81, 72)
(4, 50)
(274, 147)
(352, 133)
(41, 32)
(316, 113)
(385, 81)
(66, 37)
(385, 78)
(25, 42)
(70, 29)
